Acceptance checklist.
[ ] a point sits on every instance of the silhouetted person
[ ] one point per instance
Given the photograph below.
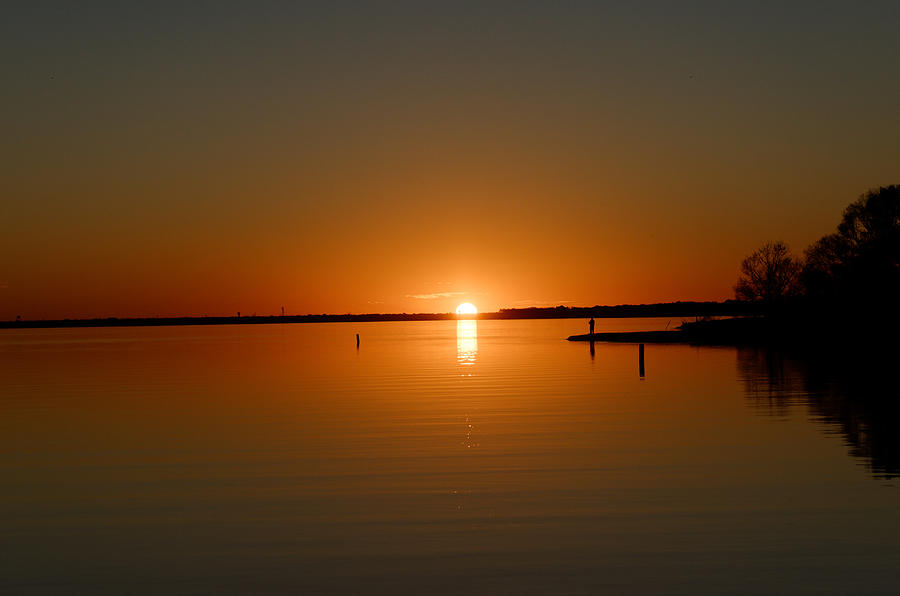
(591, 325)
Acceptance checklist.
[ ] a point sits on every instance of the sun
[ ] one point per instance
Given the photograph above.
(466, 308)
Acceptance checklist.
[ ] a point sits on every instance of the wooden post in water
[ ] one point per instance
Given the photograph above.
(357, 341)
(641, 359)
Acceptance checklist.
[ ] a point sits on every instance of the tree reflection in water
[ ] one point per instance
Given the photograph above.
(849, 394)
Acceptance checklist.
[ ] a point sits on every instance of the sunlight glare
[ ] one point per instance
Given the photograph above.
(466, 308)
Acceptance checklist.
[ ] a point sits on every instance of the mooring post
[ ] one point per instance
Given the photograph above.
(357, 341)
(641, 359)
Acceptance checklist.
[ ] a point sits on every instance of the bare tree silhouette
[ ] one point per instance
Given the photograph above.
(770, 274)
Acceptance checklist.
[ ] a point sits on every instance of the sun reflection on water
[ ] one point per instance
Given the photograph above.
(466, 342)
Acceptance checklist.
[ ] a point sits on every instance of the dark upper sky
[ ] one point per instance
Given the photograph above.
(166, 158)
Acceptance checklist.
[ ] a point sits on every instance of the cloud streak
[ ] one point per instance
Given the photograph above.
(434, 296)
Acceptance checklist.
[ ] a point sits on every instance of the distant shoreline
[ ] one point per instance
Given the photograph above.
(781, 330)
(665, 309)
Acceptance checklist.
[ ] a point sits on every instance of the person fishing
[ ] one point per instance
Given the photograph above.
(591, 325)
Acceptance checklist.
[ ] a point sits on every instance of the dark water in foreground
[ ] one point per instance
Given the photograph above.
(439, 458)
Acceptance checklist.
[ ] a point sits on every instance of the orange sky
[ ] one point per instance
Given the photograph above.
(180, 161)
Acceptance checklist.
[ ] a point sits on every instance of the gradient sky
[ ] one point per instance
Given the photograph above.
(213, 157)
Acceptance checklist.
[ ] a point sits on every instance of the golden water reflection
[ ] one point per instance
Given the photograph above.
(466, 342)
(275, 454)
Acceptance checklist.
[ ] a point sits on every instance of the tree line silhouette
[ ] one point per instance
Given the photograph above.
(856, 269)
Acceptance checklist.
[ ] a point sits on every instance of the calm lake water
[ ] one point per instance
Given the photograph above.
(439, 457)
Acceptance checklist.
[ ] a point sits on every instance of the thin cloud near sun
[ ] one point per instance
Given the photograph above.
(435, 295)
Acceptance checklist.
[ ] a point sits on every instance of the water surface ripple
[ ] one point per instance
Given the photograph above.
(439, 457)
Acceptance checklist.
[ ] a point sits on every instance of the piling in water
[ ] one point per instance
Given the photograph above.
(641, 359)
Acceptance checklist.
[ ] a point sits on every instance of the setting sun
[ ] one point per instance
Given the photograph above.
(466, 308)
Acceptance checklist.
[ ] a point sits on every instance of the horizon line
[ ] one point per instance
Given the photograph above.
(676, 308)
